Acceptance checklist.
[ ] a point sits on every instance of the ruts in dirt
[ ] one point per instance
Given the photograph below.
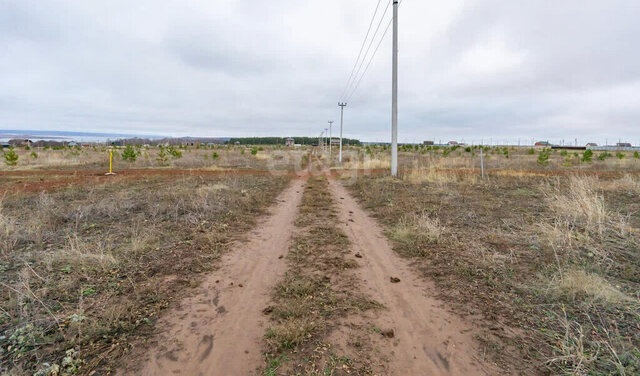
(218, 329)
(428, 339)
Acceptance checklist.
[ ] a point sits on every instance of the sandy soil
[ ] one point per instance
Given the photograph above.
(218, 330)
(427, 339)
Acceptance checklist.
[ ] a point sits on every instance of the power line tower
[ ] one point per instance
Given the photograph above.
(394, 94)
(342, 106)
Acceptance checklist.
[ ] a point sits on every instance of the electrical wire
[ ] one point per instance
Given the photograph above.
(375, 34)
(372, 57)
(366, 37)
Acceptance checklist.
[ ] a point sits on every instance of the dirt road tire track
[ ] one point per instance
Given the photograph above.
(218, 330)
(428, 340)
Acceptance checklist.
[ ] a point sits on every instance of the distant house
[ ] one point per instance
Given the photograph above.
(290, 142)
(73, 144)
(428, 143)
(20, 142)
(6, 145)
(335, 141)
(623, 145)
(452, 143)
(542, 143)
(592, 144)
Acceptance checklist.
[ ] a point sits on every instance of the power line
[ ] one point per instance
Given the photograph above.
(355, 88)
(361, 49)
(370, 60)
(369, 46)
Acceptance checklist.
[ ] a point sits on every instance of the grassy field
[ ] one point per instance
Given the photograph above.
(146, 157)
(545, 255)
(86, 266)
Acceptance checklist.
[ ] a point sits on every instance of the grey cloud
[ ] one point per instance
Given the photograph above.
(472, 69)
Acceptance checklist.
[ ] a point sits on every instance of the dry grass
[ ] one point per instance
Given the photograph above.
(576, 284)
(628, 183)
(367, 162)
(430, 175)
(220, 157)
(90, 268)
(557, 257)
(580, 204)
(416, 232)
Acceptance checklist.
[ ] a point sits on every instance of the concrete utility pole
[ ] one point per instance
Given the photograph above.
(394, 94)
(330, 138)
(342, 106)
(325, 139)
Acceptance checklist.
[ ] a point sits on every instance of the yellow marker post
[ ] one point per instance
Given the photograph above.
(110, 163)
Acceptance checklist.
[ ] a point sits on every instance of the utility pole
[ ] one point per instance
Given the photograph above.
(394, 94)
(330, 139)
(325, 139)
(342, 106)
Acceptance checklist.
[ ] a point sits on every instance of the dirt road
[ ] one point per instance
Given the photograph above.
(218, 330)
(428, 340)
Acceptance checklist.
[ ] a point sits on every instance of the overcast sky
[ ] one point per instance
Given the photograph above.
(507, 69)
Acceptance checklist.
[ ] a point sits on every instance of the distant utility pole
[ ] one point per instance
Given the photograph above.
(330, 139)
(342, 106)
(394, 94)
(325, 139)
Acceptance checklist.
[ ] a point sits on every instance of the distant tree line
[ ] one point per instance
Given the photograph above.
(282, 140)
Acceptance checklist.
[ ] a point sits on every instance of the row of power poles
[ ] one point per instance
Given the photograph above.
(394, 100)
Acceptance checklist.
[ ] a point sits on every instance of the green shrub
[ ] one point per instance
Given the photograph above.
(174, 153)
(636, 155)
(254, 151)
(564, 153)
(34, 155)
(587, 156)
(162, 157)
(467, 149)
(603, 156)
(620, 155)
(129, 154)
(215, 155)
(543, 157)
(531, 151)
(10, 157)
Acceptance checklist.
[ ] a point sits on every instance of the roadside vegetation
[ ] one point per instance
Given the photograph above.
(317, 293)
(85, 270)
(207, 157)
(544, 256)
